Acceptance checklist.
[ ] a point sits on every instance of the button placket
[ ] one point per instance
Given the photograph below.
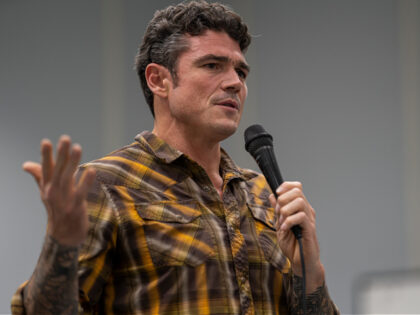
(239, 252)
(206, 188)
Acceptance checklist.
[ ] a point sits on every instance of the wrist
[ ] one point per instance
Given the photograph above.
(315, 276)
(63, 237)
(60, 244)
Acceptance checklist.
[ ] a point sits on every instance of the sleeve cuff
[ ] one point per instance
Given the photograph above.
(17, 307)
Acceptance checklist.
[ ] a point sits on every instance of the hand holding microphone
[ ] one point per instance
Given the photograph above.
(260, 145)
(295, 211)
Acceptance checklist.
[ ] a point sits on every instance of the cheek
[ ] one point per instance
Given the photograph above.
(245, 90)
(244, 93)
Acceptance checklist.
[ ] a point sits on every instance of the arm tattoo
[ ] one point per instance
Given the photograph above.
(318, 302)
(53, 288)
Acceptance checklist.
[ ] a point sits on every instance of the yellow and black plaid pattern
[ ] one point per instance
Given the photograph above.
(162, 241)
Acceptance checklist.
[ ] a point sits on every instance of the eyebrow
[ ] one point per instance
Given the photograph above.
(241, 64)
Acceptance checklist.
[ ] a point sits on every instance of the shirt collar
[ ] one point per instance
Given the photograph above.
(230, 170)
(167, 154)
(157, 147)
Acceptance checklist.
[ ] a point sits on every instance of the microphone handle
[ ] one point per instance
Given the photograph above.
(268, 165)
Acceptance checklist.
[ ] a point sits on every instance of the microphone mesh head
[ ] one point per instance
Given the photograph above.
(256, 137)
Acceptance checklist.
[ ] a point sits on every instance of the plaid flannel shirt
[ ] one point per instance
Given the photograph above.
(162, 241)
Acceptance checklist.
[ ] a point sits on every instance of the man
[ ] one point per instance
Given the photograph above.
(169, 224)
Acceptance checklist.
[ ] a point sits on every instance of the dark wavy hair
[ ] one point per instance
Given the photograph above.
(164, 39)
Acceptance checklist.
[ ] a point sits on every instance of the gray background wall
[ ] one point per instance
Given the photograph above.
(335, 82)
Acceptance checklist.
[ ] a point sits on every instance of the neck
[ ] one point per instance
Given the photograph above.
(206, 153)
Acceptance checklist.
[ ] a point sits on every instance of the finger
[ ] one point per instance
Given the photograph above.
(47, 160)
(289, 196)
(287, 186)
(62, 158)
(35, 170)
(67, 179)
(298, 218)
(293, 190)
(313, 213)
(296, 205)
(84, 184)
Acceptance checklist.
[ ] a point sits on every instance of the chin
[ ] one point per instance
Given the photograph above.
(225, 131)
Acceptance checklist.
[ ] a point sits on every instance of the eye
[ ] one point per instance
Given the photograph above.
(212, 66)
(241, 73)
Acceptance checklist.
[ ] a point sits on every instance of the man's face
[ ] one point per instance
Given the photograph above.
(209, 96)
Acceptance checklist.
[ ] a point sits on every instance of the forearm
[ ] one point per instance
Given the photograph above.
(53, 288)
(318, 301)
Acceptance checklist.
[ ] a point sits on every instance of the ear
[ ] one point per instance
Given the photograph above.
(158, 79)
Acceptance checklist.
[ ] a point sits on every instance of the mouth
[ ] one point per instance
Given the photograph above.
(229, 103)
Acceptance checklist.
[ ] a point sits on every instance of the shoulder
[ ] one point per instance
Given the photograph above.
(122, 167)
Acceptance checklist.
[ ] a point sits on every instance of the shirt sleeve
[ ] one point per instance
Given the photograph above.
(318, 302)
(17, 301)
(97, 251)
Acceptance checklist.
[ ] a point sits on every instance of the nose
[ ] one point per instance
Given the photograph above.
(232, 82)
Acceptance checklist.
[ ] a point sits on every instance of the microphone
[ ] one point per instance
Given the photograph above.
(259, 143)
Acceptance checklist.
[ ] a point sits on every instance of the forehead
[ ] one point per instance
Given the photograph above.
(214, 43)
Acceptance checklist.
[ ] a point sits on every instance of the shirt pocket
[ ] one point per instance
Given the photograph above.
(175, 233)
(263, 219)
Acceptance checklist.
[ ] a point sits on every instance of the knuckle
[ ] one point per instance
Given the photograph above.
(281, 200)
(283, 211)
(297, 191)
(300, 201)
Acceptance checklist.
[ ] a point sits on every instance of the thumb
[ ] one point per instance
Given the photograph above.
(35, 170)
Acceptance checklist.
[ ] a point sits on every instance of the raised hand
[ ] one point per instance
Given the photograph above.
(63, 197)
